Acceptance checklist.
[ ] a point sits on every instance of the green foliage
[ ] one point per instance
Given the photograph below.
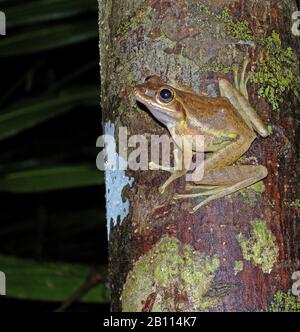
(46, 10)
(27, 279)
(38, 40)
(19, 118)
(46, 179)
(42, 80)
(57, 99)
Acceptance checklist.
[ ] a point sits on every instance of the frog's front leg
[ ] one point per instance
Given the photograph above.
(238, 97)
(180, 168)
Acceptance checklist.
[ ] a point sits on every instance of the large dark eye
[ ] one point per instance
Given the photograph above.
(166, 95)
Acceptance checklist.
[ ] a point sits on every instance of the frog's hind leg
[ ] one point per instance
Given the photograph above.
(241, 83)
(226, 180)
(238, 97)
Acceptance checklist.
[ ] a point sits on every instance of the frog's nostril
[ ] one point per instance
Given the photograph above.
(148, 78)
(140, 89)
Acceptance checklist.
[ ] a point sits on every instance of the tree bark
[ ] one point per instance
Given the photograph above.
(238, 253)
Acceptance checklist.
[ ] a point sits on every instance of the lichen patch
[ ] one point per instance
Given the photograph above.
(285, 302)
(260, 247)
(171, 277)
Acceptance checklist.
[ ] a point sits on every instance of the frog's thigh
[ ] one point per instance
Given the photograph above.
(235, 179)
(226, 180)
(228, 175)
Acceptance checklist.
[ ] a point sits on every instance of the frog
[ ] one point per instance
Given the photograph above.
(228, 123)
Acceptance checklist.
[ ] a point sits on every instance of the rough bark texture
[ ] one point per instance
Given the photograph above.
(238, 253)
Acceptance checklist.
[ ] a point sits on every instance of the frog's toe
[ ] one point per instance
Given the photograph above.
(191, 186)
(161, 189)
(200, 205)
(153, 166)
(178, 196)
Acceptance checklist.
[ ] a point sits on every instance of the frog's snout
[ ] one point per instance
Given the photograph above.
(140, 93)
(135, 91)
(139, 90)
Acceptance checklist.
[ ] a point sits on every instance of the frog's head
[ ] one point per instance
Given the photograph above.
(161, 99)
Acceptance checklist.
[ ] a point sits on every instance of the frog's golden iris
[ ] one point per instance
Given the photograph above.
(166, 95)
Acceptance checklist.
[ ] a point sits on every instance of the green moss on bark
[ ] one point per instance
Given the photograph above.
(238, 267)
(285, 302)
(238, 29)
(277, 70)
(168, 272)
(260, 247)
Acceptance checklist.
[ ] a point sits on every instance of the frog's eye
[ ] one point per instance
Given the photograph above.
(166, 95)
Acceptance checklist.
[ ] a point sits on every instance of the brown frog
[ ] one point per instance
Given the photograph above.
(228, 124)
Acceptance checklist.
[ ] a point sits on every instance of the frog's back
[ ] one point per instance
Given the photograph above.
(213, 115)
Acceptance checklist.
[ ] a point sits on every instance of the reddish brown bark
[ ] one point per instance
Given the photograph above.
(140, 38)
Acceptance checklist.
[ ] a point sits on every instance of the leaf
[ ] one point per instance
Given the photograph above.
(26, 279)
(26, 116)
(47, 179)
(71, 76)
(47, 38)
(46, 10)
(66, 224)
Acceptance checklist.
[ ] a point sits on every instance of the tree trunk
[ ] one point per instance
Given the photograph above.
(237, 253)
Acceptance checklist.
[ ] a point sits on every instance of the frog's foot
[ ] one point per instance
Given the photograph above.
(175, 174)
(172, 178)
(238, 177)
(156, 167)
(190, 186)
(207, 192)
(223, 192)
(241, 83)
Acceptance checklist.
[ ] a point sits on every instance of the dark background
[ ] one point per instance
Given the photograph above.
(63, 220)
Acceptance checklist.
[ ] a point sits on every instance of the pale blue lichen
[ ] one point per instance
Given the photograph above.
(115, 181)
